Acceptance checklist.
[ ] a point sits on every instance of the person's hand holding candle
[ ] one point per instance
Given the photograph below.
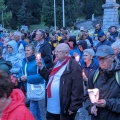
(39, 61)
(84, 76)
(38, 55)
(94, 96)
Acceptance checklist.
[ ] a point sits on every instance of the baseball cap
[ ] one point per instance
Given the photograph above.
(101, 34)
(104, 50)
(81, 28)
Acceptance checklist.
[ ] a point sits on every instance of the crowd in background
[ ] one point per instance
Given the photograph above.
(20, 47)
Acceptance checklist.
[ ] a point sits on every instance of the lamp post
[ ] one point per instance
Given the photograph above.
(55, 14)
(3, 20)
(63, 7)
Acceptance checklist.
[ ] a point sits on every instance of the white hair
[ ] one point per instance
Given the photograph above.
(115, 45)
(89, 51)
(17, 33)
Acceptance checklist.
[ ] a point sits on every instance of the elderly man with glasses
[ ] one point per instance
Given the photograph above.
(107, 80)
(65, 85)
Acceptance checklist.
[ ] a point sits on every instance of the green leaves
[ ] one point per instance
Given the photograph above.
(71, 8)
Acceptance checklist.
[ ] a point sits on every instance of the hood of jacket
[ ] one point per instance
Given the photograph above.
(14, 46)
(4, 64)
(17, 99)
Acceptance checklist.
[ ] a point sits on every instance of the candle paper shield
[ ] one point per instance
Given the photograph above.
(77, 58)
(93, 94)
(38, 55)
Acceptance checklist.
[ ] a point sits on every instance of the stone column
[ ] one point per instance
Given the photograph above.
(110, 17)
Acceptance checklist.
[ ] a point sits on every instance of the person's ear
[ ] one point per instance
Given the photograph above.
(113, 57)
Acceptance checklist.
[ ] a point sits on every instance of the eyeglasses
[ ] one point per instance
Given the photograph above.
(37, 34)
(56, 51)
(9, 47)
(103, 58)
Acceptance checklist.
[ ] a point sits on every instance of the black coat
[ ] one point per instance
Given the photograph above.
(105, 42)
(46, 54)
(108, 90)
(71, 88)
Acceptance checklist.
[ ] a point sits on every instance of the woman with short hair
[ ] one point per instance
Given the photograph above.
(31, 76)
(89, 64)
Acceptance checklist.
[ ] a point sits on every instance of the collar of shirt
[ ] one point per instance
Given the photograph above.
(41, 42)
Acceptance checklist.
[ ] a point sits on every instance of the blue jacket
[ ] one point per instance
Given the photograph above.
(105, 42)
(14, 57)
(93, 66)
(98, 31)
(22, 42)
(32, 76)
(114, 35)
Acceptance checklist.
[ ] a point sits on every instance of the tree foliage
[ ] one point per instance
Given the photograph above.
(93, 7)
(70, 12)
(32, 8)
(7, 15)
(24, 17)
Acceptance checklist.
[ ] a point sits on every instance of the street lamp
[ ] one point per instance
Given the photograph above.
(3, 20)
(55, 14)
(63, 7)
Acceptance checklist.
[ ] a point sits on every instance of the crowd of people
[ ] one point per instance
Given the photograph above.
(68, 65)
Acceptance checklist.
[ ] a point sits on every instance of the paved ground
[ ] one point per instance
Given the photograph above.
(86, 24)
(82, 115)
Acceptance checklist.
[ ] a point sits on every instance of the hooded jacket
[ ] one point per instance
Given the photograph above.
(109, 90)
(5, 65)
(16, 110)
(14, 57)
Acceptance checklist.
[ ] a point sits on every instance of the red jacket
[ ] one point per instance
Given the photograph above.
(16, 110)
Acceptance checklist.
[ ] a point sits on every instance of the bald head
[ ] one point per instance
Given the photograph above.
(63, 47)
(62, 51)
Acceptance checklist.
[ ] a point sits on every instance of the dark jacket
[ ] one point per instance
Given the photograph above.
(71, 87)
(93, 66)
(5, 65)
(105, 42)
(114, 35)
(109, 90)
(98, 31)
(90, 40)
(46, 54)
(111, 40)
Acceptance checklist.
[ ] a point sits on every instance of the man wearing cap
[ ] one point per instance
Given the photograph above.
(106, 79)
(103, 40)
(98, 29)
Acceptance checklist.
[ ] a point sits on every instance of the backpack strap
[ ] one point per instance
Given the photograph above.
(95, 75)
(117, 76)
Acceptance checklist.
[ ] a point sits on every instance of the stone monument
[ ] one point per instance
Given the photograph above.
(111, 17)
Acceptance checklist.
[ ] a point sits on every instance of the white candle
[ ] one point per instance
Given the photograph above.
(38, 55)
(83, 74)
(93, 94)
(77, 58)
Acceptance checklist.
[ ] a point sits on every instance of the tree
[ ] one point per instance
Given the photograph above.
(13, 6)
(70, 12)
(94, 6)
(23, 16)
(7, 15)
(34, 7)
